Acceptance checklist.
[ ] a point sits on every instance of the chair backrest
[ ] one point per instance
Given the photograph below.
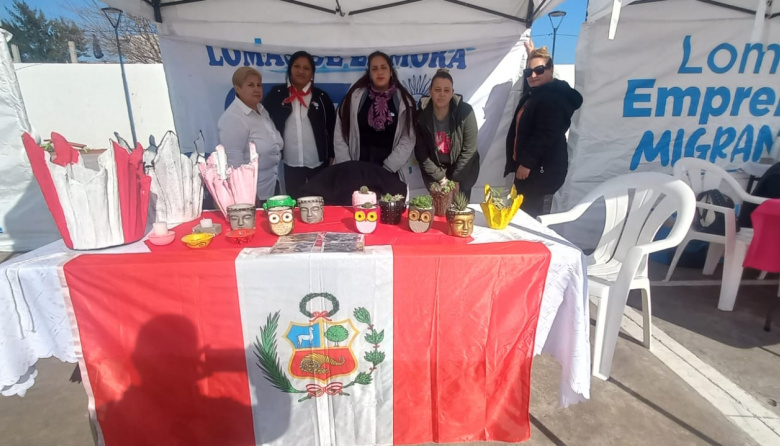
(702, 175)
(636, 206)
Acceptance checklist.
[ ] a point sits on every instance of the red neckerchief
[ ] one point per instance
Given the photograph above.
(295, 94)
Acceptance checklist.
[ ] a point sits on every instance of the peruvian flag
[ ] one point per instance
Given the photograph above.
(402, 345)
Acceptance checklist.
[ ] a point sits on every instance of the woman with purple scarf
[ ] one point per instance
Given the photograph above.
(375, 121)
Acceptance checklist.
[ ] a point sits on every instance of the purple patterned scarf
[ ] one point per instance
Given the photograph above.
(379, 114)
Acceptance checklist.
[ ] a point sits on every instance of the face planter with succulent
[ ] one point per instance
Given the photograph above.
(364, 195)
(421, 213)
(392, 206)
(366, 217)
(460, 217)
(443, 195)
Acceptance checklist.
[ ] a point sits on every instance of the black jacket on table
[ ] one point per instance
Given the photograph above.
(322, 115)
(541, 132)
(464, 155)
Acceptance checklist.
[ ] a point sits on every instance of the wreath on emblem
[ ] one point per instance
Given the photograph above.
(311, 296)
(268, 357)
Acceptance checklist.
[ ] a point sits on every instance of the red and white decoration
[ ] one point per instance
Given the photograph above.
(402, 346)
(92, 209)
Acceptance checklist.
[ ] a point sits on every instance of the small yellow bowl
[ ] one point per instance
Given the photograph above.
(197, 240)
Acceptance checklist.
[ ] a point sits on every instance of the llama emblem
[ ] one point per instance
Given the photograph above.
(320, 350)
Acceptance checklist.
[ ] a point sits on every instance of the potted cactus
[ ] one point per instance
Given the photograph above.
(442, 196)
(363, 196)
(366, 217)
(392, 206)
(460, 217)
(420, 213)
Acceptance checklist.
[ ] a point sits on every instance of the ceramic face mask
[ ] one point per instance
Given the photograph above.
(281, 220)
(365, 219)
(241, 216)
(462, 225)
(420, 220)
(311, 209)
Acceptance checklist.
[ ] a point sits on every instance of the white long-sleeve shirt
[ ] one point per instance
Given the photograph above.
(300, 147)
(239, 125)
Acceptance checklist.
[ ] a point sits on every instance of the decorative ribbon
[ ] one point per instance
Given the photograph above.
(319, 314)
(316, 390)
(295, 94)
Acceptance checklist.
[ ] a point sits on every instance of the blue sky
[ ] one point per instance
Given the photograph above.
(568, 31)
(541, 31)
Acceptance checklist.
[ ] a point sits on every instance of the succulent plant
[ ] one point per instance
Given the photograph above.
(364, 189)
(499, 198)
(460, 203)
(367, 205)
(422, 201)
(388, 198)
(438, 188)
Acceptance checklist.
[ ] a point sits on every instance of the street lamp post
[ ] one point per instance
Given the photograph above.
(558, 16)
(114, 15)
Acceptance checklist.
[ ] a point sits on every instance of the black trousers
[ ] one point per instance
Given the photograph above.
(296, 177)
(536, 188)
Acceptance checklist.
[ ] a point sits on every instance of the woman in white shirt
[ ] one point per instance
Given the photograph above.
(245, 121)
(305, 116)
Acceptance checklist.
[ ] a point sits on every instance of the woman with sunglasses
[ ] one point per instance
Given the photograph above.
(536, 150)
(305, 116)
(375, 121)
(447, 140)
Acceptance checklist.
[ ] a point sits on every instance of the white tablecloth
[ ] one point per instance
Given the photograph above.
(34, 321)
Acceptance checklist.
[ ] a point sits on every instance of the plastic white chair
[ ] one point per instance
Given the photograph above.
(636, 206)
(701, 176)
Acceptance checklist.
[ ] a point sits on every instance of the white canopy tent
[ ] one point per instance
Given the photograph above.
(762, 10)
(489, 32)
(365, 24)
(204, 41)
(25, 221)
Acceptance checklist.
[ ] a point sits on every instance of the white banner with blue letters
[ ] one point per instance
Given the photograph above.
(485, 73)
(681, 79)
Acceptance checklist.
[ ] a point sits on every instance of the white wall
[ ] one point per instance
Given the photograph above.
(86, 102)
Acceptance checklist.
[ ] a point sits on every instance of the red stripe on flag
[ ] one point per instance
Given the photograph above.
(163, 347)
(464, 329)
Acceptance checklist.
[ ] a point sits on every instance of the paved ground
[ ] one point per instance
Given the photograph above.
(644, 403)
(734, 343)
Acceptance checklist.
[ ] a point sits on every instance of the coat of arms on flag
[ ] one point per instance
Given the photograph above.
(321, 350)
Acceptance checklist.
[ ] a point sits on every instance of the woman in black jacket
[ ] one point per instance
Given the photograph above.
(536, 149)
(306, 117)
(447, 137)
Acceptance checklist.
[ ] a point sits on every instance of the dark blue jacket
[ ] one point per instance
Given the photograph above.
(322, 115)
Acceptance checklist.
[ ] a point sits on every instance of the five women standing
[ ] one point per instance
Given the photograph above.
(377, 122)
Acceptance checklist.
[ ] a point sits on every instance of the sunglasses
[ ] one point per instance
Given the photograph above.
(539, 70)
